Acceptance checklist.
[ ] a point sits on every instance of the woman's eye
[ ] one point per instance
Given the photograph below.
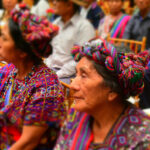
(83, 75)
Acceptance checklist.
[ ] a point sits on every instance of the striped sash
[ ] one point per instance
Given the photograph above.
(119, 27)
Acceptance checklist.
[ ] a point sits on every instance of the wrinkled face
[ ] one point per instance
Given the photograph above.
(60, 7)
(115, 6)
(90, 93)
(9, 4)
(142, 4)
(8, 51)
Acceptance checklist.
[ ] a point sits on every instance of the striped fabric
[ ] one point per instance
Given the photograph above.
(118, 27)
(131, 131)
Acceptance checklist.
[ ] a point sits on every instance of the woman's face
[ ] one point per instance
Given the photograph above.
(8, 51)
(90, 93)
(115, 6)
(9, 4)
(143, 4)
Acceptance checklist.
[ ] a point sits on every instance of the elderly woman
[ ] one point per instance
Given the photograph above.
(115, 22)
(101, 117)
(31, 98)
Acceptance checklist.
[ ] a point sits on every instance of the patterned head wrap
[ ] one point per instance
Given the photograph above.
(127, 67)
(37, 31)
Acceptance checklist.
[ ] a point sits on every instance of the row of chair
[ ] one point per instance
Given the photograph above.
(135, 46)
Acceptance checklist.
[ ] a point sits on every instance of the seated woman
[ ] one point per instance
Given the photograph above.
(101, 117)
(31, 98)
(115, 22)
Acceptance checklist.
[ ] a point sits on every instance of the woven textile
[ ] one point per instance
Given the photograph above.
(39, 102)
(131, 131)
(37, 31)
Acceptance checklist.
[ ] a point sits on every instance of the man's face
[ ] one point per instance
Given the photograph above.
(60, 7)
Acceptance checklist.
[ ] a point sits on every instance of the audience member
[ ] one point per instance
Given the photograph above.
(7, 7)
(139, 25)
(115, 22)
(39, 7)
(31, 97)
(101, 118)
(73, 29)
(92, 12)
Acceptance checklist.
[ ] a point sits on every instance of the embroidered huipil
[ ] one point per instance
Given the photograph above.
(131, 131)
(38, 102)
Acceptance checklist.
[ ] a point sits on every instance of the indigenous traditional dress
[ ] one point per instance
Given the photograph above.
(130, 131)
(114, 26)
(36, 100)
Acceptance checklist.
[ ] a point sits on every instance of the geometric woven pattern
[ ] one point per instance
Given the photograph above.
(133, 119)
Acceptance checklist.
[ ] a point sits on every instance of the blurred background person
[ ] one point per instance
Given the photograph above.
(92, 12)
(115, 22)
(8, 5)
(72, 29)
(101, 117)
(139, 25)
(31, 97)
(39, 7)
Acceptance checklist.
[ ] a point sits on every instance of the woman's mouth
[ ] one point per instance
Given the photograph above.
(77, 99)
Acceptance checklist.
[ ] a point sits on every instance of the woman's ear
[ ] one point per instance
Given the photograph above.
(112, 96)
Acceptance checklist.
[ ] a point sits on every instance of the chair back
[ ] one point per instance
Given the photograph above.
(136, 46)
(68, 94)
(2, 64)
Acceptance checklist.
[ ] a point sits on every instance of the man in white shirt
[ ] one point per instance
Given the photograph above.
(73, 29)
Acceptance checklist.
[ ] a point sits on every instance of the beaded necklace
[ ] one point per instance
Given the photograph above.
(11, 85)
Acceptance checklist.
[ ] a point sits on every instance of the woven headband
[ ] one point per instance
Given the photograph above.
(37, 31)
(129, 68)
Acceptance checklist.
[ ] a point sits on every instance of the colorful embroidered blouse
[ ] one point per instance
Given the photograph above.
(37, 101)
(131, 131)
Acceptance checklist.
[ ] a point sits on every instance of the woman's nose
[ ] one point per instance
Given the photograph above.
(75, 84)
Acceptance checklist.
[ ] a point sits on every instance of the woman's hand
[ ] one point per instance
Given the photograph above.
(30, 138)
